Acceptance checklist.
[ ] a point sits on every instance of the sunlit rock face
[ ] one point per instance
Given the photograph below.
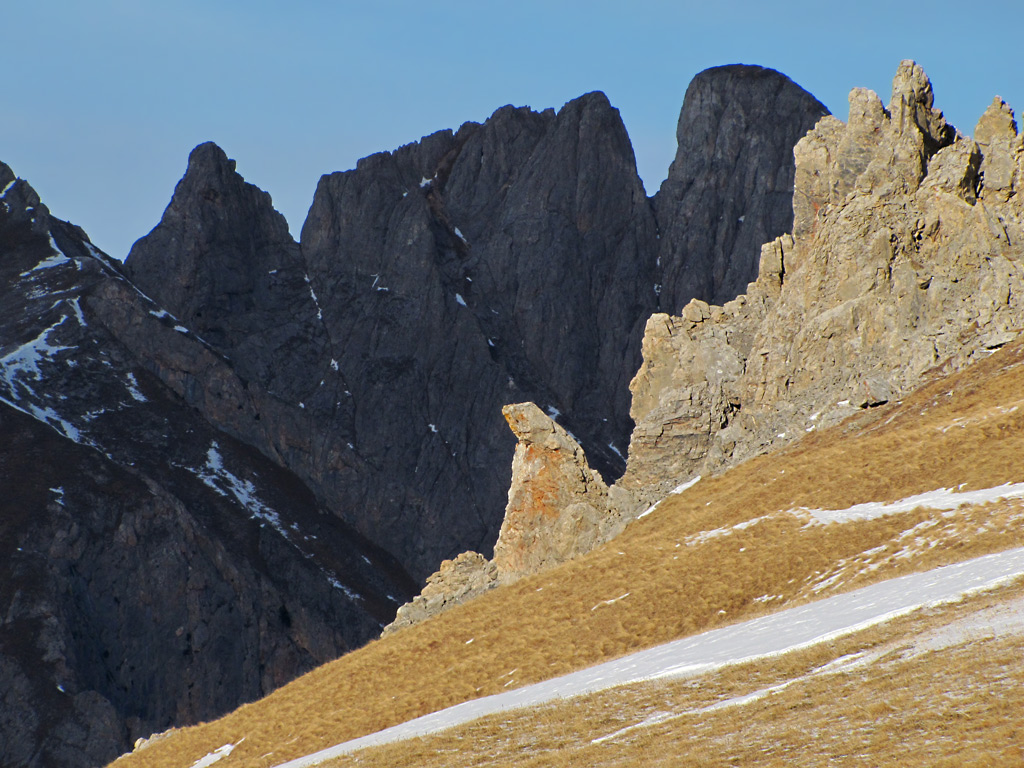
(905, 255)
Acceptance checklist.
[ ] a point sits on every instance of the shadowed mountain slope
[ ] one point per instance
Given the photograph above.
(154, 569)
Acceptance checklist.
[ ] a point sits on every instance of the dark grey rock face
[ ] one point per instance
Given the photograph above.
(508, 261)
(730, 187)
(511, 260)
(222, 260)
(154, 571)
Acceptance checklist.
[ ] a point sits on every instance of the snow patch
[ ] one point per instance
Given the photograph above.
(21, 367)
(705, 536)
(789, 630)
(55, 260)
(609, 602)
(312, 295)
(212, 757)
(459, 299)
(941, 499)
(675, 492)
(133, 389)
(73, 303)
(24, 361)
(222, 481)
(216, 476)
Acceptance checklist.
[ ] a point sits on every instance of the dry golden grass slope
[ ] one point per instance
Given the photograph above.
(731, 547)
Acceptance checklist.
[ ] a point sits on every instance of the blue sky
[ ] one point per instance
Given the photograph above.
(103, 100)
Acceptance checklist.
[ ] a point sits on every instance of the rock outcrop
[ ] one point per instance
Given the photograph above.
(558, 508)
(906, 254)
(223, 262)
(457, 581)
(154, 571)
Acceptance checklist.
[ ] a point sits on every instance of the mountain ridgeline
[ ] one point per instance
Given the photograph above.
(234, 456)
(514, 260)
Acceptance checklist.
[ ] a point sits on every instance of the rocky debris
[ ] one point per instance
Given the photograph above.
(467, 576)
(903, 258)
(730, 187)
(153, 569)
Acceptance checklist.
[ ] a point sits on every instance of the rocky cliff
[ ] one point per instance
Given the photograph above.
(558, 508)
(224, 457)
(905, 255)
(154, 570)
(730, 187)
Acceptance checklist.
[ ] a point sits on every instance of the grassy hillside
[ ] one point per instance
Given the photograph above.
(941, 688)
(729, 548)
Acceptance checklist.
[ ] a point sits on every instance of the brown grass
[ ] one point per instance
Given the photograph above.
(962, 429)
(958, 704)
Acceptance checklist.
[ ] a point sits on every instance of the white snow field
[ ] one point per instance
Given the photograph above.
(782, 632)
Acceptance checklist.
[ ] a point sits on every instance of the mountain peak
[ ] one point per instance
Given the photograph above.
(207, 157)
(729, 188)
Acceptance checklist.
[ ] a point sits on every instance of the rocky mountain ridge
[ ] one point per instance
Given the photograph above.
(513, 260)
(154, 570)
(905, 257)
(218, 452)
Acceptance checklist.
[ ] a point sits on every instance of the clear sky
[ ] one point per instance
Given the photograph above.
(103, 100)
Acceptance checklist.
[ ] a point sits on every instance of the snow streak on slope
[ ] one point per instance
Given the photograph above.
(942, 498)
(939, 499)
(20, 375)
(779, 633)
(222, 481)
